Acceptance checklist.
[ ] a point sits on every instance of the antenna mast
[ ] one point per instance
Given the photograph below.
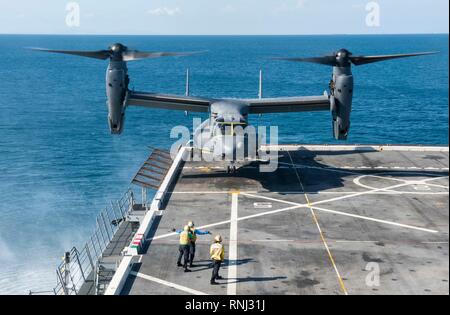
(187, 82)
(260, 94)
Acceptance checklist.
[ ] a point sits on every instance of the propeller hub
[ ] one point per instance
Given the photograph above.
(118, 48)
(343, 58)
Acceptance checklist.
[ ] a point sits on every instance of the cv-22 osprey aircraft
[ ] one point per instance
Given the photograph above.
(226, 114)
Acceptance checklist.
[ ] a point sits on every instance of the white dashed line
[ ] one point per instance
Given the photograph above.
(435, 243)
(232, 256)
(272, 241)
(344, 241)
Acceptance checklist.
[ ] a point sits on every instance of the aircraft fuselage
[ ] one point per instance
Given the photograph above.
(226, 135)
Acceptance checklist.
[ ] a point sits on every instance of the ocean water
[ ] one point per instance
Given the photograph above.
(59, 166)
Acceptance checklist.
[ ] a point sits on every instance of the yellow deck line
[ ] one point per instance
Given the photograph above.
(316, 221)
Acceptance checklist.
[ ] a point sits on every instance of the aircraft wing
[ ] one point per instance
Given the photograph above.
(166, 101)
(288, 104)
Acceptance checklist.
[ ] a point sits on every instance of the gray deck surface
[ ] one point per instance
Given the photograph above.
(402, 230)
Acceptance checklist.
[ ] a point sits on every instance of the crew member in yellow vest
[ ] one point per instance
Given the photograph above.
(194, 232)
(217, 253)
(185, 240)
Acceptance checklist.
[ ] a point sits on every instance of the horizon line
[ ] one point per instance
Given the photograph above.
(324, 34)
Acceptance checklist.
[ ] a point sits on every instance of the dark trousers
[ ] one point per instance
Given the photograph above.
(216, 268)
(191, 253)
(184, 251)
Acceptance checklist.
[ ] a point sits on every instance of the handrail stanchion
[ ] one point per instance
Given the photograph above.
(79, 265)
(88, 252)
(63, 284)
(115, 213)
(110, 222)
(101, 232)
(93, 246)
(122, 209)
(98, 243)
(106, 227)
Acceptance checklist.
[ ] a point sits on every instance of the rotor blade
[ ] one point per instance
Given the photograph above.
(362, 60)
(99, 54)
(326, 60)
(131, 55)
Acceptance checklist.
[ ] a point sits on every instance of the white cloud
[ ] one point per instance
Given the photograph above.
(301, 4)
(164, 11)
(290, 6)
(228, 8)
(89, 15)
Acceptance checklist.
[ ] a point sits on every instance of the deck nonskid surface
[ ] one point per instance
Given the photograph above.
(325, 224)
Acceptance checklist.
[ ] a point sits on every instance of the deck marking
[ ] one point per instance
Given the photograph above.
(376, 220)
(357, 194)
(222, 192)
(435, 243)
(298, 205)
(329, 169)
(270, 212)
(341, 282)
(361, 193)
(392, 192)
(262, 205)
(316, 221)
(167, 283)
(273, 241)
(439, 186)
(348, 241)
(232, 256)
(276, 200)
(228, 221)
(347, 168)
(434, 178)
(357, 181)
(339, 212)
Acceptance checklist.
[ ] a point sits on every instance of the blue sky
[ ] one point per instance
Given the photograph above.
(207, 17)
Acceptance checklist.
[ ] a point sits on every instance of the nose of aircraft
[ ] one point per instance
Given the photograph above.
(223, 149)
(230, 149)
(240, 145)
